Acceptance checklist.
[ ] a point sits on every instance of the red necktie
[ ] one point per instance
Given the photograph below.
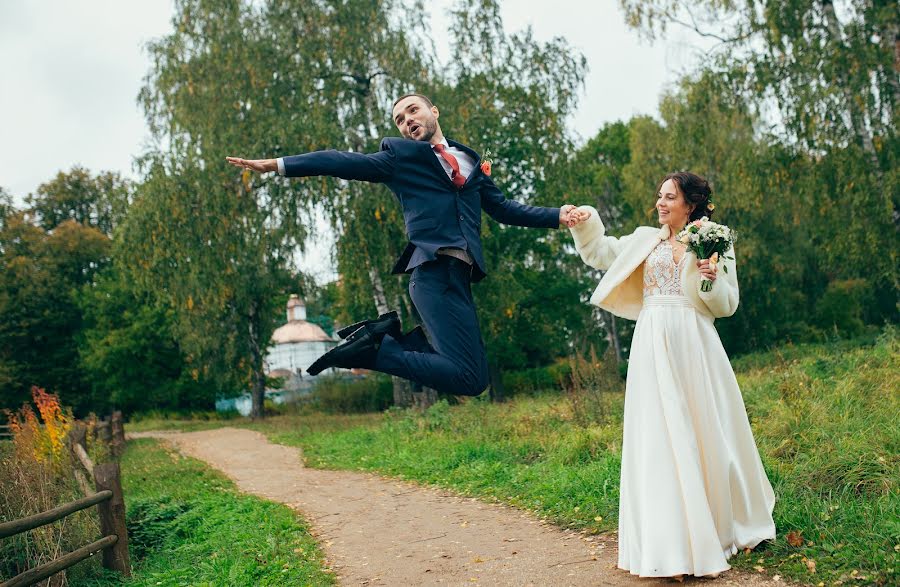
(455, 176)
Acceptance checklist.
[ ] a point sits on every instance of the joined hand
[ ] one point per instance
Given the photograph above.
(571, 216)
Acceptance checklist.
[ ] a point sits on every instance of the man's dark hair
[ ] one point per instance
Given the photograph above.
(424, 98)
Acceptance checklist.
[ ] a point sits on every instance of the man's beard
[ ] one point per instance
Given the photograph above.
(430, 127)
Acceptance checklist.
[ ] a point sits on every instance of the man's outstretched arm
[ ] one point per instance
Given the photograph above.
(374, 167)
(508, 211)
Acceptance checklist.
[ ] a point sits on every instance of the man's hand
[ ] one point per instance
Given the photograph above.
(564, 212)
(570, 216)
(260, 165)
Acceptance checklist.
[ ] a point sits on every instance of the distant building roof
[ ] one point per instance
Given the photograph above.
(300, 331)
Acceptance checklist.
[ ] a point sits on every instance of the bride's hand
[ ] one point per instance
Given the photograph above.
(709, 269)
(576, 217)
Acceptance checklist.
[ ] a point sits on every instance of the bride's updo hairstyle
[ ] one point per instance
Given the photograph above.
(696, 192)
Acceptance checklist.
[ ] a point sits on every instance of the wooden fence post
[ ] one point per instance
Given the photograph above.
(104, 434)
(112, 518)
(78, 435)
(118, 434)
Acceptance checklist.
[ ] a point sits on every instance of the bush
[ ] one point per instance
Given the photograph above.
(841, 307)
(342, 394)
(531, 381)
(192, 415)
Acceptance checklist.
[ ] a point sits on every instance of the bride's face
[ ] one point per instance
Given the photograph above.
(671, 206)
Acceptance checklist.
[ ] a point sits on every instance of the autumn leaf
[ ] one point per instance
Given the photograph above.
(795, 538)
(810, 565)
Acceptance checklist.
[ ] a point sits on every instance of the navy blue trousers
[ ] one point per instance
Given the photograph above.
(456, 362)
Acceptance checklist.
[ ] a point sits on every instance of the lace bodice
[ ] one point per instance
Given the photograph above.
(662, 276)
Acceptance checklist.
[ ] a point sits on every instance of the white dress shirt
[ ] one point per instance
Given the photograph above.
(466, 163)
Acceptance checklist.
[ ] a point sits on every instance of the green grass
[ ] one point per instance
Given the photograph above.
(825, 418)
(188, 525)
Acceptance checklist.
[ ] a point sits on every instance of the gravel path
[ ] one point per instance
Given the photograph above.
(378, 531)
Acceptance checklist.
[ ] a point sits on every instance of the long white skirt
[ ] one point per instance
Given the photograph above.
(693, 488)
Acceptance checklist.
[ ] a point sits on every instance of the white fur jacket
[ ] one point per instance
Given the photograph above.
(621, 290)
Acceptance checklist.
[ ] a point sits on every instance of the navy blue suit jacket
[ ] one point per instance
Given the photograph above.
(436, 213)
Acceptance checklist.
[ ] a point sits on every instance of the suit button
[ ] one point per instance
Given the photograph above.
(461, 217)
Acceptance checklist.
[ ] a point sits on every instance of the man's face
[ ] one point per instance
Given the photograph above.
(415, 119)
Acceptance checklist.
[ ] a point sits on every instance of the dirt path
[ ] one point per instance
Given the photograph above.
(378, 531)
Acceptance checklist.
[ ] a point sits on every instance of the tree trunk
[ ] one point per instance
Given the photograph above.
(403, 395)
(857, 115)
(258, 378)
(498, 391)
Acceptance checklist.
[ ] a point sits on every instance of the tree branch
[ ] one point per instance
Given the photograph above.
(696, 28)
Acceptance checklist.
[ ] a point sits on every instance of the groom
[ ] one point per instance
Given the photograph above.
(442, 187)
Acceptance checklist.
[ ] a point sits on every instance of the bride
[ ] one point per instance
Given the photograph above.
(693, 490)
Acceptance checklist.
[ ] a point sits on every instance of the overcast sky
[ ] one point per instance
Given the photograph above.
(72, 71)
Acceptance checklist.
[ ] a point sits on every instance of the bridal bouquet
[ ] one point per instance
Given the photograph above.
(708, 240)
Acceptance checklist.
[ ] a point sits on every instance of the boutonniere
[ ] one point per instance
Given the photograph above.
(487, 161)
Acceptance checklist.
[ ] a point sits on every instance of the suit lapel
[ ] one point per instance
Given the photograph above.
(432, 157)
(475, 156)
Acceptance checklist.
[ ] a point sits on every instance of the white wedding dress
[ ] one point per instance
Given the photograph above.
(693, 488)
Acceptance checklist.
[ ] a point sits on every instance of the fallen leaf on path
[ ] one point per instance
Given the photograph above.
(759, 569)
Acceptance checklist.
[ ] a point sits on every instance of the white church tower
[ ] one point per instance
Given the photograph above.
(297, 344)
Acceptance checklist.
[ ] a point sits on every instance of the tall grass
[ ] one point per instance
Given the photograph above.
(36, 477)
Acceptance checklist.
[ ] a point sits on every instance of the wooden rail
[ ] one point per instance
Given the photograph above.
(36, 521)
(5, 432)
(110, 506)
(39, 573)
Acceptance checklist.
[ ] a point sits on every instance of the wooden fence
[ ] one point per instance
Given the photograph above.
(106, 495)
(5, 433)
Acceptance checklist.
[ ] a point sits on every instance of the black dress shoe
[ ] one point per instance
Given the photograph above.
(387, 319)
(357, 353)
(387, 324)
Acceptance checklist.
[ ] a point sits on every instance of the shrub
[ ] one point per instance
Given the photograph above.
(531, 381)
(841, 307)
(342, 394)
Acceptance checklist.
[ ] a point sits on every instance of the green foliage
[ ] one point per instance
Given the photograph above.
(189, 525)
(129, 352)
(340, 394)
(40, 272)
(793, 118)
(99, 201)
(842, 305)
(537, 379)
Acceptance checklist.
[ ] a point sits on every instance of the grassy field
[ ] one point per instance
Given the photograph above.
(188, 525)
(824, 416)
